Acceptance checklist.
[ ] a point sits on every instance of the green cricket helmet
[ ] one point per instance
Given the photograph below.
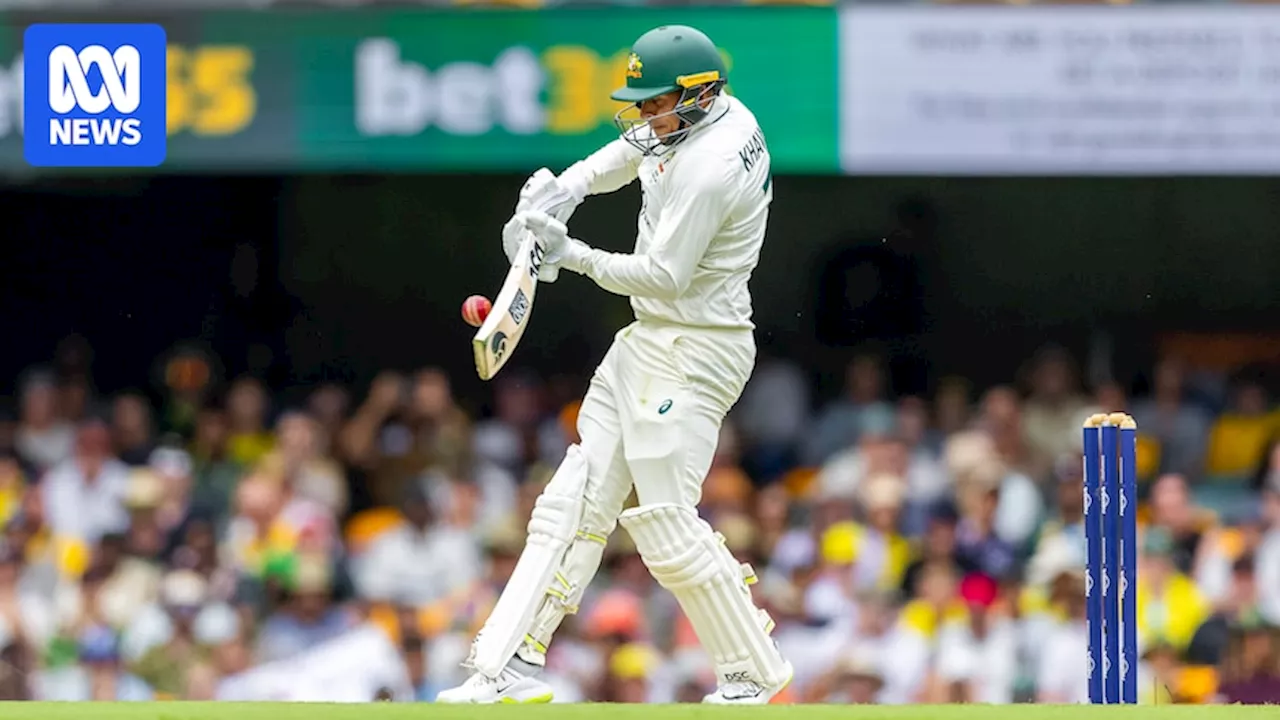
(669, 59)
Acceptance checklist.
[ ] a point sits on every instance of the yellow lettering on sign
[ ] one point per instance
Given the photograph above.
(579, 84)
(571, 96)
(728, 68)
(613, 77)
(210, 91)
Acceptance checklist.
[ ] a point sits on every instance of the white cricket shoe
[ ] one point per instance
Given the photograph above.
(511, 687)
(747, 693)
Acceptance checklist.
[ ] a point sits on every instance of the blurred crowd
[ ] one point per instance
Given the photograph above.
(167, 542)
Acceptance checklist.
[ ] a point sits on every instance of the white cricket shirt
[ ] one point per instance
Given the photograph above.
(701, 226)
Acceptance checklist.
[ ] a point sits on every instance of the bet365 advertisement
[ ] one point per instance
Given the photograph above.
(503, 90)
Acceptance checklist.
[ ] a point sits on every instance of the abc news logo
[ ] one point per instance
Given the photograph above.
(94, 95)
(121, 90)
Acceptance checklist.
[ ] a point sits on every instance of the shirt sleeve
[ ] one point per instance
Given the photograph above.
(696, 209)
(610, 168)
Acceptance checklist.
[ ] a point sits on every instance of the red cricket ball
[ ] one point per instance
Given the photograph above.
(475, 309)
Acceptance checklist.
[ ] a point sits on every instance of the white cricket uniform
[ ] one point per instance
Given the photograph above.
(651, 418)
(653, 412)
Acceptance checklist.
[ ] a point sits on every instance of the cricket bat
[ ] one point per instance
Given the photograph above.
(501, 331)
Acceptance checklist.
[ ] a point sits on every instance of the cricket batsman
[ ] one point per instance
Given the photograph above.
(651, 417)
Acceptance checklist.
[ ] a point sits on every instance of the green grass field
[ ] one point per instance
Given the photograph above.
(387, 711)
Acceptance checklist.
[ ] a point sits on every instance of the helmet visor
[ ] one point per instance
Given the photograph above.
(630, 94)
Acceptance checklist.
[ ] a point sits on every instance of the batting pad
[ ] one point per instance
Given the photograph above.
(688, 558)
(552, 527)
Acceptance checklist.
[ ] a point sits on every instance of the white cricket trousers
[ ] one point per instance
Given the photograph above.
(651, 420)
(652, 415)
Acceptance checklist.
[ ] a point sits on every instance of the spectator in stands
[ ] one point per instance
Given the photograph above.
(977, 651)
(911, 645)
(329, 405)
(846, 468)
(116, 587)
(215, 473)
(172, 469)
(917, 429)
(1173, 509)
(1238, 604)
(1055, 408)
(630, 666)
(419, 561)
(521, 432)
(1181, 427)
(99, 675)
(132, 428)
(773, 515)
(1063, 531)
(404, 429)
(727, 488)
(313, 475)
(1170, 606)
(1061, 676)
(773, 415)
(248, 439)
(1267, 473)
(951, 407)
(84, 495)
(27, 618)
(306, 615)
(854, 680)
(1002, 419)
(1241, 435)
(979, 478)
(842, 423)
(938, 545)
(44, 437)
(1268, 555)
(1251, 669)
(169, 644)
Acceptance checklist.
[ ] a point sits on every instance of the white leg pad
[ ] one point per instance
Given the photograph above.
(552, 528)
(579, 566)
(688, 558)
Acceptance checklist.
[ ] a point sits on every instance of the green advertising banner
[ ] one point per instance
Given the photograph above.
(519, 89)
(447, 90)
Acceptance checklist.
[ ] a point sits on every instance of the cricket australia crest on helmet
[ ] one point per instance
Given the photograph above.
(669, 59)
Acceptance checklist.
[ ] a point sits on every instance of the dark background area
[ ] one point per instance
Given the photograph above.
(317, 276)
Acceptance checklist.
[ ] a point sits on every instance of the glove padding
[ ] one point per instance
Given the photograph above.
(561, 250)
(553, 234)
(542, 192)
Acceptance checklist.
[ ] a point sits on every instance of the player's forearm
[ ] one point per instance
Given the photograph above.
(623, 273)
(603, 171)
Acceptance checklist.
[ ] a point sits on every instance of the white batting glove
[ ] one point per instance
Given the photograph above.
(545, 192)
(553, 234)
(561, 249)
(542, 192)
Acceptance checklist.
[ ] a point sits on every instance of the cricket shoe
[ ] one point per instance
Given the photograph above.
(513, 686)
(748, 692)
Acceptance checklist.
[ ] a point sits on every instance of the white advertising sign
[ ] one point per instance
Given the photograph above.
(1189, 90)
